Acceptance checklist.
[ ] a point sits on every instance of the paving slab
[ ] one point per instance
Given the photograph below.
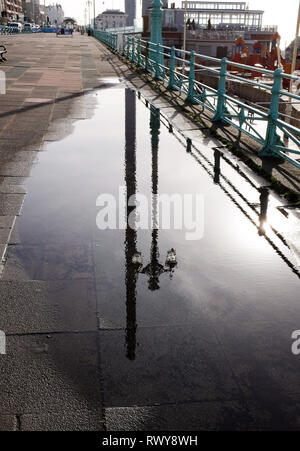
(82, 420)
(186, 417)
(4, 235)
(7, 221)
(167, 365)
(8, 423)
(43, 307)
(49, 262)
(11, 204)
(45, 374)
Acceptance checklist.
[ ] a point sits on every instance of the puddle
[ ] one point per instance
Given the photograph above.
(164, 304)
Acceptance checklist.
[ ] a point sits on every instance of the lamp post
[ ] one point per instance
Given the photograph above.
(289, 108)
(184, 29)
(295, 51)
(89, 11)
(156, 32)
(94, 14)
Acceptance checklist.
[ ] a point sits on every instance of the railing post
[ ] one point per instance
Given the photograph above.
(172, 70)
(128, 48)
(272, 138)
(133, 50)
(221, 108)
(157, 67)
(124, 44)
(139, 53)
(147, 57)
(190, 95)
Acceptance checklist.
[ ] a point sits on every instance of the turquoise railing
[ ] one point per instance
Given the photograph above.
(8, 30)
(269, 127)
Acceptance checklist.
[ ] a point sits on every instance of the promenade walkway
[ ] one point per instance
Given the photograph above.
(91, 343)
(46, 78)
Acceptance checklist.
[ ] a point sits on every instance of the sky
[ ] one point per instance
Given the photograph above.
(283, 14)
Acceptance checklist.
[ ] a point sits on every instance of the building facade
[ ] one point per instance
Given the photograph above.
(111, 18)
(133, 10)
(32, 11)
(212, 27)
(130, 10)
(222, 15)
(55, 14)
(290, 50)
(70, 23)
(12, 10)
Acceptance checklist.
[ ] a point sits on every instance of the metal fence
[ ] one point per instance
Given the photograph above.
(5, 31)
(181, 71)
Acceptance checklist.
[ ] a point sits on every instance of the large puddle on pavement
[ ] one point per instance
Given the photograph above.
(212, 324)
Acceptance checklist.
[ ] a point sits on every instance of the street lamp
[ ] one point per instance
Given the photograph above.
(94, 14)
(294, 61)
(89, 2)
(184, 29)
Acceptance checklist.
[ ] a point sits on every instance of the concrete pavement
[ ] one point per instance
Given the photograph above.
(52, 376)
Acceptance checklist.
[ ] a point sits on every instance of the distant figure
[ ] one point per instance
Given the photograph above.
(209, 24)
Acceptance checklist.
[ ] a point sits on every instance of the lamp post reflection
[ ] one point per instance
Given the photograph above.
(130, 233)
(134, 259)
(155, 269)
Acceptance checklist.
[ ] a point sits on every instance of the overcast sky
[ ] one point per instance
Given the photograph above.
(282, 13)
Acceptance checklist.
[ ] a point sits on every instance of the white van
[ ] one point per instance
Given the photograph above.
(17, 25)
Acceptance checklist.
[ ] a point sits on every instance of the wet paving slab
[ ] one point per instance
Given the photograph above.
(48, 307)
(204, 344)
(50, 374)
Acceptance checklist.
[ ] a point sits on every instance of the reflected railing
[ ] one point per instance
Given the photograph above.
(214, 170)
(155, 268)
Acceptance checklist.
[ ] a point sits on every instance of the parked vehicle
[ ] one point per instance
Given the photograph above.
(17, 25)
(36, 29)
(27, 28)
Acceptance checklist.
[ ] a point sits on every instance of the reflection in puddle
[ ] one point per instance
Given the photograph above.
(134, 259)
(180, 321)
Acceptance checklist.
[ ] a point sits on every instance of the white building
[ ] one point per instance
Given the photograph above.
(111, 18)
(223, 14)
(55, 14)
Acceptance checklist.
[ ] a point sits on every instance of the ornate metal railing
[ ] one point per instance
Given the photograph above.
(178, 69)
(8, 30)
